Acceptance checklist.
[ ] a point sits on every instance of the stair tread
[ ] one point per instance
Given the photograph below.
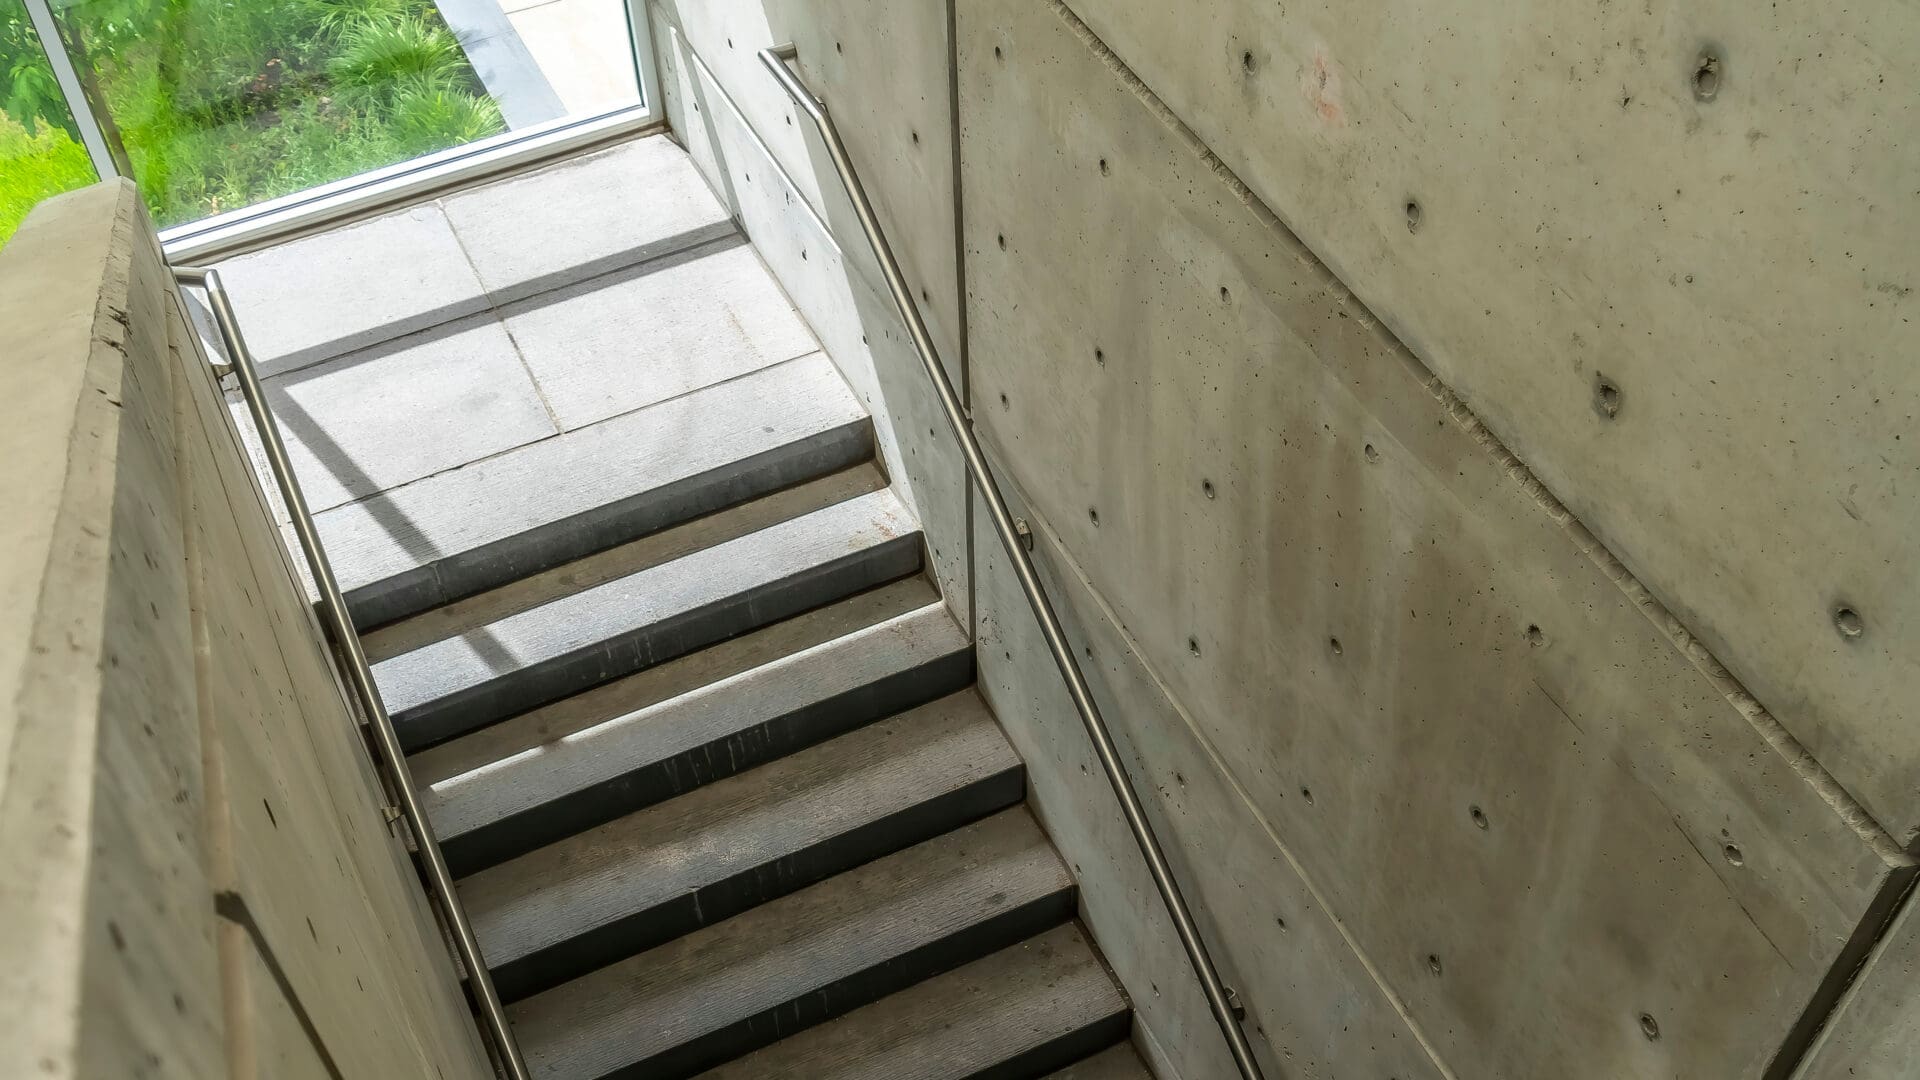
(488, 776)
(714, 834)
(1010, 1005)
(468, 529)
(538, 655)
(475, 613)
(766, 971)
(1114, 1063)
(663, 682)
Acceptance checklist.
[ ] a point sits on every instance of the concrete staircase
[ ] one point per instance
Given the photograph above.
(700, 740)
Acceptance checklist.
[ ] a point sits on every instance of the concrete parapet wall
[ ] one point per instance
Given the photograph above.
(201, 882)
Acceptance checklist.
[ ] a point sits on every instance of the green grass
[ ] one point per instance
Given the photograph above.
(224, 105)
(36, 167)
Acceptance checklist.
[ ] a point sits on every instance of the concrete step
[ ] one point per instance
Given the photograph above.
(571, 907)
(541, 776)
(462, 532)
(501, 666)
(1020, 1013)
(1114, 1063)
(741, 984)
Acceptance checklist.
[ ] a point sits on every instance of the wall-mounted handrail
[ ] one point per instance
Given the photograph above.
(359, 674)
(1219, 998)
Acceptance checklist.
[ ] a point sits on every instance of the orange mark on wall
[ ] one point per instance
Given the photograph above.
(1321, 85)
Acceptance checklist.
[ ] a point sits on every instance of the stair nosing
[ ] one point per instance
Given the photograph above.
(928, 938)
(579, 802)
(885, 546)
(931, 790)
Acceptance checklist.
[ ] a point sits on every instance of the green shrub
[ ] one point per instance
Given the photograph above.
(382, 53)
(427, 117)
(222, 104)
(36, 167)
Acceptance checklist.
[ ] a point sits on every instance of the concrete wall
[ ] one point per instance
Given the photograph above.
(200, 879)
(1467, 447)
(886, 68)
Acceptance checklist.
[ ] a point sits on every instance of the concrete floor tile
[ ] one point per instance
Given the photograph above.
(327, 295)
(660, 330)
(579, 219)
(373, 420)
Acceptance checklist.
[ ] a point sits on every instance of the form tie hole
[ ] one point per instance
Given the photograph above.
(1372, 454)
(1848, 622)
(1478, 815)
(1413, 216)
(1734, 854)
(1649, 1026)
(1706, 76)
(1606, 398)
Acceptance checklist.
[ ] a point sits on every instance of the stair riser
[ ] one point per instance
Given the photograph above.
(1057, 1054)
(489, 702)
(965, 945)
(644, 929)
(477, 849)
(543, 547)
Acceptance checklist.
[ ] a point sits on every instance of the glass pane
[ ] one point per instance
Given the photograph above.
(40, 151)
(223, 104)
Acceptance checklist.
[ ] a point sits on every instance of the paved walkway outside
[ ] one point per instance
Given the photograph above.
(542, 60)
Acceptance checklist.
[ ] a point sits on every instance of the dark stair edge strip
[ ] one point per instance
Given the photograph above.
(486, 703)
(1063, 1050)
(965, 944)
(457, 575)
(639, 931)
(657, 781)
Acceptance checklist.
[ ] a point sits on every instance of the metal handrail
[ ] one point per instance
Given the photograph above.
(1219, 998)
(359, 673)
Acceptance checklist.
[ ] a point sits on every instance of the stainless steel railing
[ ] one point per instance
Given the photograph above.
(1219, 998)
(333, 606)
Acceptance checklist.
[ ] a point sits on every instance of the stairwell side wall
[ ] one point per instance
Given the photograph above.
(1492, 563)
(885, 68)
(1485, 746)
(200, 880)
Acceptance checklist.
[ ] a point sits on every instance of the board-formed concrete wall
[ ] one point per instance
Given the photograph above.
(201, 882)
(1467, 448)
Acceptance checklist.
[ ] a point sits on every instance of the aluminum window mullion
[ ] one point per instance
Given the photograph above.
(92, 135)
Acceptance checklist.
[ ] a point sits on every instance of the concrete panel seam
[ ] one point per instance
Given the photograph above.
(1842, 979)
(1762, 720)
(1066, 563)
